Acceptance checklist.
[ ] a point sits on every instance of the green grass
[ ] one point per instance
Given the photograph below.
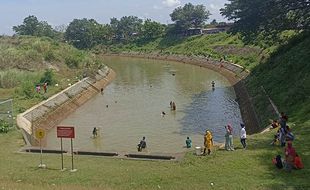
(216, 46)
(286, 78)
(241, 169)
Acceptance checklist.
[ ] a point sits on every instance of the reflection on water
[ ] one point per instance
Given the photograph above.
(131, 108)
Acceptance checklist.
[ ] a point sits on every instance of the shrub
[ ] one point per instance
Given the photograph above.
(4, 126)
(27, 89)
(49, 56)
(48, 77)
(72, 62)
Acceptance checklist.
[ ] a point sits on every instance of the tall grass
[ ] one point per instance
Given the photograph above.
(12, 78)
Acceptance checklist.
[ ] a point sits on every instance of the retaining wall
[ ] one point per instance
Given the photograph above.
(52, 111)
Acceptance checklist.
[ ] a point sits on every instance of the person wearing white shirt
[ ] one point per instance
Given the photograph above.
(243, 135)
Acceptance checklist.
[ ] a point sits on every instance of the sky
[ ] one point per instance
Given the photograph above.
(62, 12)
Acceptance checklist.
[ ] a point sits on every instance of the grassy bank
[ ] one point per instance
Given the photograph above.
(241, 169)
(217, 46)
(28, 61)
(286, 78)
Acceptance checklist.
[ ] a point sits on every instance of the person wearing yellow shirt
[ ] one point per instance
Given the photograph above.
(208, 142)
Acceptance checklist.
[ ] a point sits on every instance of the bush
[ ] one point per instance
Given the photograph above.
(4, 126)
(49, 56)
(48, 77)
(28, 89)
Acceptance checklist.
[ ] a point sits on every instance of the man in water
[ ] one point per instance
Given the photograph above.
(95, 132)
(142, 144)
(213, 84)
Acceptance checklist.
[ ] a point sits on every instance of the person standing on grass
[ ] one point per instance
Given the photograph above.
(226, 138)
(45, 87)
(283, 120)
(229, 138)
(243, 135)
(38, 88)
(208, 142)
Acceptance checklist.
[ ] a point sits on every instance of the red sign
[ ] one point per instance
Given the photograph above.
(65, 132)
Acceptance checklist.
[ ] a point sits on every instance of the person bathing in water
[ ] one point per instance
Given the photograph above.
(95, 132)
(142, 144)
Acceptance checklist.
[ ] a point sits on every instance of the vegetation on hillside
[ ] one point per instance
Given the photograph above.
(286, 78)
(28, 61)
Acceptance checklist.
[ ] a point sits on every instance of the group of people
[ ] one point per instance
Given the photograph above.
(172, 106)
(285, 137)
(38, 87)
(208, 139)
(229, 145)
(284, 132)
(292, 159)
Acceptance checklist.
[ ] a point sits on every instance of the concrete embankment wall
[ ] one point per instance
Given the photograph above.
(51, 112)
(234, 73)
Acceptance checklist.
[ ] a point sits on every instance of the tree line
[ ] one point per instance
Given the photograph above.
(250, 18)
(268, 16)
(87, 33)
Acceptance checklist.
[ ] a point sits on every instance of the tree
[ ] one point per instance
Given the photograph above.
(190, 16)
(152, 29)
(213, 22)
(268, 15)
(127, 27)
(33, 27)
(84, 33)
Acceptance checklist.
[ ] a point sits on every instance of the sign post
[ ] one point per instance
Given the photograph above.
(40, 134)
(62, 156)
(66, 132)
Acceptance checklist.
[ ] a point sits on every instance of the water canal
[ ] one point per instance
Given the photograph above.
(131, 108)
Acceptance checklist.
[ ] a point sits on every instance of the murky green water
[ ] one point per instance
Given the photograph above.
(131, 108)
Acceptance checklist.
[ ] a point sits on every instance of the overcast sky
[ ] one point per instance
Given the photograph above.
(59, 12)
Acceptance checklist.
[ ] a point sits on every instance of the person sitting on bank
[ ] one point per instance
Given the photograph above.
(274, 124)
(188, 142)
(290, 155)
(278, 162)
(142, 144)
(297, 162)
(276, 138)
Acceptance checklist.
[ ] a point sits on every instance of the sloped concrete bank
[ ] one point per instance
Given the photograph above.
(234, 73)
(52, 111)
